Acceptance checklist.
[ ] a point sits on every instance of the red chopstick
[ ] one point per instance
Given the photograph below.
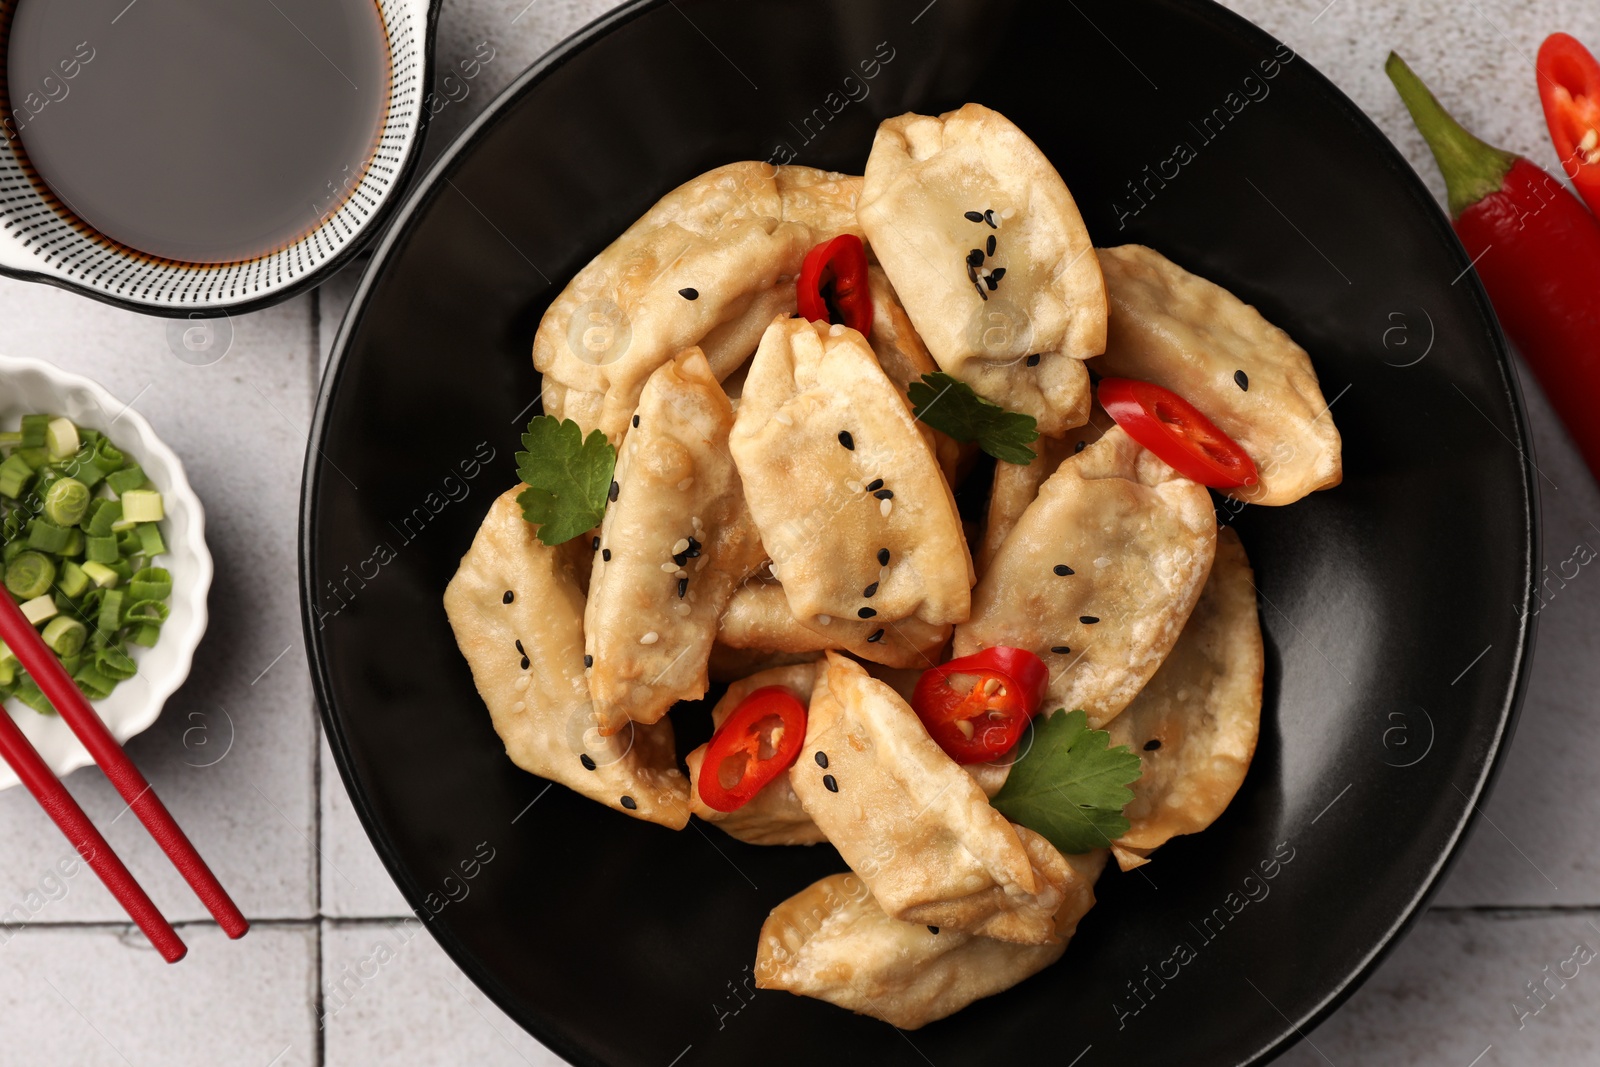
(58, 687)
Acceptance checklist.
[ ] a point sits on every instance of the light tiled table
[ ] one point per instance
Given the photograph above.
(271, 815)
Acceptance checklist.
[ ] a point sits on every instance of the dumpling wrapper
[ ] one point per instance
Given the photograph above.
(833, 942)
(735, 235)
(1203, 707)
(809, 384)
(912, 823)
(1182, 332)
(774, 815)
(543, 713)
(730, 664)
(758, 617)
(905, 359)
(675, 481)
(1138, 541)
(923, 176)
(1016, 485)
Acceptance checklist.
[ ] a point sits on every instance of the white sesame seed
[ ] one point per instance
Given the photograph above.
(680, 545)
(783, 418)
(668, 567)
(519, 705)
(700, 564)
(686, 483)
(836, 330)
(1008, 212)
(1102, 562)
(884, 507)
(824, 619)
(650, 638)
(853, 485)
(694, 520)
(681, 608)
(680, 573)
(522, 681)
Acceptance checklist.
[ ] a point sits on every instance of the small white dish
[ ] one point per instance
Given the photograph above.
(29, 386)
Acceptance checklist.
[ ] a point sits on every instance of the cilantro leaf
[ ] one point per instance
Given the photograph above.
(569, 478)
(950, 405)
(1070, 786)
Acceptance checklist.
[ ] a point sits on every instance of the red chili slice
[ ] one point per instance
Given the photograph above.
(756, 743)
(975, 707)
(1569, 87)
(832, 286)
(1177, 433)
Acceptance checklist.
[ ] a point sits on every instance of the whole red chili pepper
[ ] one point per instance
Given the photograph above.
(1537, 250)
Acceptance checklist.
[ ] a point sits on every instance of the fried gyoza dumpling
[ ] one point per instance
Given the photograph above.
(1211, 348)
(758, 617)
(851, 504)
(912, 823)
(674, 543)
(517, 614)
(1016, 485)
(707, 265)
(904, 358)
(730, 664)
(1195, 724)
(832, 941)
(774, 815)
(1098, 575)
(986, 248)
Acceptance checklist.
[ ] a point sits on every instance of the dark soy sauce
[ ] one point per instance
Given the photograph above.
(205, 131)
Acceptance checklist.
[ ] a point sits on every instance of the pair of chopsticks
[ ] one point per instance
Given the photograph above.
(58, 687)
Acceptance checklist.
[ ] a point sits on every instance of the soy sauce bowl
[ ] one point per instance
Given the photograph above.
(42, 240)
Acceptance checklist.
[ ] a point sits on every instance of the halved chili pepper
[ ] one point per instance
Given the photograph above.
(1535, 248)
(975, 707)
(833, 282)
(1569, 87)
(758, 742)
(1176, 432)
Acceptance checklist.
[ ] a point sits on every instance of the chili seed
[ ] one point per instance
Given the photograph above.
(629, 803)
(1063, 570)
(883, 557)
(1088, 620)
(973, 216)
(1242, 380)
(1033, 360)
(587, 761)
(588, 661)
(1152, 744)
(866, 613)
(877, 635)
(615, 490)
(822, 760)
(988, 245)
(683, 587)
(1061, 650)
(689, 293)
(870, 591)
(605, 555)
(846, 440)
(874, 485)
(831, 782)
(508, 598)
(884, 494)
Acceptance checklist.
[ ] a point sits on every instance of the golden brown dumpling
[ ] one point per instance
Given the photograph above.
(758, 617)
(517, 614)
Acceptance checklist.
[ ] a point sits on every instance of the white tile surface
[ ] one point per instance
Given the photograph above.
(1444, 996)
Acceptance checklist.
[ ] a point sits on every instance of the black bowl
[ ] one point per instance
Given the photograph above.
(1395, 607)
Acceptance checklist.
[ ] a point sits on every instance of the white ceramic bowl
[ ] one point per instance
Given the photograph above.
(29, 386)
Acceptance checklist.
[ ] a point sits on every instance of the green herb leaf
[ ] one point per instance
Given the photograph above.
(568, 478)
(1070, 786)
(950, 405)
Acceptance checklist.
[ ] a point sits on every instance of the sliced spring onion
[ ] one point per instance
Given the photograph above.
(110, 619)
(14, 476)
(34, 428)
(115, 663)
(150, 542)
(101, 549)
(72, 580)
(152, 583)
(61, 438)
(40, 608)
(147, 635)
(126, 480)
(142, 505)
(105, 517)
(46, 536)
(102, 576)
(30, 575)
(28, 692)
(66, 501)
(65, 636)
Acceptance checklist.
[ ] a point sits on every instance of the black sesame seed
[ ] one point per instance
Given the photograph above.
(1063, 570)
(693, 551)
(975, 257)
(883, 557)
(587, 761)
(1079, 447)
(689, 293)
(683, 587)
(870, 591)
(874, 485)
(973, 216)
(988, 216)
(933, 929)
(1061, 650)
(1033, 360)
(588, 661)
(972, 276)
(1242, 380)
(680, 558)
(615, 491)
(636, 422)
(884, 494)
(832, 783)
(876, 636)
(996, 274)
(526, 663)
(988, 246)
(630, 803)
(1152, 744)
(822, 760)
(596, 544)
(846, 440)
(520, 648)
(1088, 620)
(866, 613)
(508, 598)
(605, 555)
(990, 282)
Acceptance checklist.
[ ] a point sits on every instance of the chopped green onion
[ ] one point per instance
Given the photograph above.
(126, 480)
(66, 501)
(107, 515)
(72, 580)
(150, 541)
(33, 457)
(65, 636)
(10, 438)
(46, 536)
(95, 685)
(40, 608)
(29, 693)
(102, 576)
(146, 611)
(34, 428)
(101, 549)
(61, 438)
(114, 663)
(30, 575)
(14, 476)
(142, 505)
(74, 545)
(110, 620)
(152, 583)
(146, 635)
